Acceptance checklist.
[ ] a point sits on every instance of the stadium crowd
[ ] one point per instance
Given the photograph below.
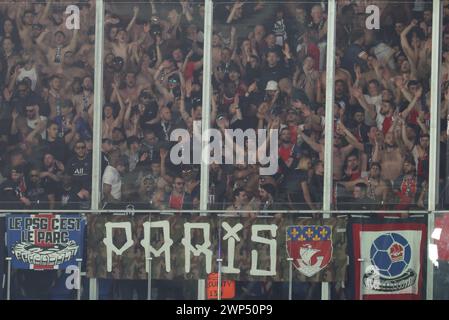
(46, 105)
(269, 72)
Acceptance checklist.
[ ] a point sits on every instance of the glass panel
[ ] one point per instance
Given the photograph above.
(47, 67)
(440, 257)
(381, 110)
(444, 190)
(268, 73)
(151, 52)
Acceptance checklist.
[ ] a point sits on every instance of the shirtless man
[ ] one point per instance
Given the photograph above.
(124, 49)
(84, 101)
(390, 157)
(55, 56)
(417, 51)
(24, 20)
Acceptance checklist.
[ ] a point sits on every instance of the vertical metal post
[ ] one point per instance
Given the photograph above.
(329, 121)
(78, 290)
(150, 260)
(8, 279)
(434, 136)
(205, 116)
(97, 123)
(150, 264)
(290, 278)
(219, 261)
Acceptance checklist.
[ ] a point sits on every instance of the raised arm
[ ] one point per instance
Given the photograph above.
(44, 15)
(73, 41)
(314, 145)
(370, 108)
(404, 41)
(412, 104)
(407, 143)
(40, 39)
(133, 20)
(118, 122)
(350, 137)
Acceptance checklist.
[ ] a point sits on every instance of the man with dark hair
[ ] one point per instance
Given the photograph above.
(267, 193)
(406, 186)
(54, 143)
(355, 54)
(362, 202)
(13, 190)
(79, 168)
(40, 197)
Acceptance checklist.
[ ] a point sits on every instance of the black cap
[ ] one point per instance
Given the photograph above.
(268, 187)
(299, 95)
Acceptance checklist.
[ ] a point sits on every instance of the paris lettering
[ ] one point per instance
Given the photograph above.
(191, 250)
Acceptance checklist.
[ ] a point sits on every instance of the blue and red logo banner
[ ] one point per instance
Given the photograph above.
(388, 258)
(45, 241)
(310, 247)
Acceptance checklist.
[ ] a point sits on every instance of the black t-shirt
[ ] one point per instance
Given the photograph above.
(80, 171)
(10, 194)
(275, 73)
(58, 149)
(38, 195)
(293, 185)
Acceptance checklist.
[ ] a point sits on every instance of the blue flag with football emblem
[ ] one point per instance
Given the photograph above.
(387, 258)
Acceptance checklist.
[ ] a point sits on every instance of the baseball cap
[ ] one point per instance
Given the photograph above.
(272, 85)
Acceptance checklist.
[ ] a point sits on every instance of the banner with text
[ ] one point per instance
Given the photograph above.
(185, 246)
(45, 241)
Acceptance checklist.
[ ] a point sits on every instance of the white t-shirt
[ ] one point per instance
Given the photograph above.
(112, 177)
(31, 74)
(33, 124)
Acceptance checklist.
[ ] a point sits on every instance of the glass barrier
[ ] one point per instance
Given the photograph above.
(47, 67)
(439, 256)
(153, 51)
(444, 90)
(268, 64)
(382, 108)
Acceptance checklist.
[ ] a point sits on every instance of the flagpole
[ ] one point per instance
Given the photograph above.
(205, 119)
(97, 125)
(329, 122)
(8, 279)
(434, 138)
(290, 278)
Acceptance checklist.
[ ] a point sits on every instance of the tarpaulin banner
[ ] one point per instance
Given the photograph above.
(187, 246)
(388, 258)
(45, 241)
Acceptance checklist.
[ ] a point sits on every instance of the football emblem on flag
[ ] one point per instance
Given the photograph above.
(310, 247)
(390, 255)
